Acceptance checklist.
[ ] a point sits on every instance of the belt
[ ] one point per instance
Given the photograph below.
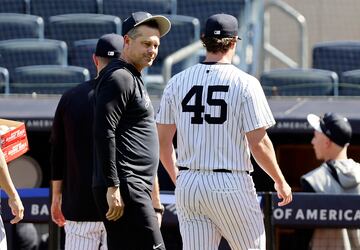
(221, 170)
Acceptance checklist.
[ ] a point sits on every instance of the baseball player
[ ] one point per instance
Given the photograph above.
(72, 160)
(220, 114)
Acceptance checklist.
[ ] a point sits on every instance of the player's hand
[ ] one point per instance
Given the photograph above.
(17, 209)
(115, 202)
(283, 192)
(56, 213)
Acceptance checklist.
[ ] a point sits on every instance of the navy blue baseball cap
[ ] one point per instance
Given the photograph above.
(221, 26)
(109, 45)
(140, 17)
(336, 127)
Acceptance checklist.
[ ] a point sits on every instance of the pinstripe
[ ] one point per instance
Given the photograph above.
(227, 224)
(85, 235)
(228, 206)
(201, 146)
(238, 215)
(3, 242)
(247, 213)
(211, 205)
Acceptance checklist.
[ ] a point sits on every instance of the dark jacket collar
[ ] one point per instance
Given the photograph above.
(119, 63)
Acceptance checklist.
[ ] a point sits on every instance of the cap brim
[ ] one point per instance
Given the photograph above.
(314, 121)
(237, 37)
(163, 22)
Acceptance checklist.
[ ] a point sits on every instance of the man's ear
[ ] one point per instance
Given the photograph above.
(233, 42)
(328, 142)
(95, 60)
(126, 39)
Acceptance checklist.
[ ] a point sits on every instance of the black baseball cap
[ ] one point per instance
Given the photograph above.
(221, 26)
(336, 127)
(109, 45)
(140, 17)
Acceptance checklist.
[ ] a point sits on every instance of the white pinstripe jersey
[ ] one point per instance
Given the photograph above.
(213, 106)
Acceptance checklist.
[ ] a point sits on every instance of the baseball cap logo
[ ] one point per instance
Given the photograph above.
(111, 53)
(217, 32)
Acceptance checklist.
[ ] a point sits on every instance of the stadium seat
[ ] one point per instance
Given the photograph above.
(338, 56)
(15, 6)
(184, 31)
(23, 52)
(72, 27)
(202, 9)
(299, 82)
(124, 8)
(350, 83)
(14, 25)
(47, 8)
(245, 11)
(82, 55)
(4, 80)
(47, 79)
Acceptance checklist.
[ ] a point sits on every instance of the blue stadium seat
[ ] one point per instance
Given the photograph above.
(14, 25)
(299, 82)
(23, 52)
(15, 6)
(47, 79)
(184, 31)
(202, 9)
(350, 83)
(73, 27)
(82, 55)
(4, 80)
(338, 56)
(124, 8)
(47, 8)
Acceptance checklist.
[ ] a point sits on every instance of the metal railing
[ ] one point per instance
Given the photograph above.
(178, 56)
(270, 50)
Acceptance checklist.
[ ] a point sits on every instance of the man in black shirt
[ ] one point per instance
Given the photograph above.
(126, 142)
(73, 205)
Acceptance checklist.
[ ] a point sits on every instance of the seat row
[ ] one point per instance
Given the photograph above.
(72, 39)
(55, 79)
(200, 9)
(335, 71)
(42, 79)
(310, 82)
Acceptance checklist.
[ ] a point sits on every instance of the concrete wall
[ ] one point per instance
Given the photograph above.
(327, 20)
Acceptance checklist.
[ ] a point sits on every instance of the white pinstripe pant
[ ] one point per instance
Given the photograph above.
(3, 243)
(87, 235)
(211, 205)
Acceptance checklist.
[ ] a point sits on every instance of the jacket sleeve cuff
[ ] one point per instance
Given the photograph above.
(112, 183)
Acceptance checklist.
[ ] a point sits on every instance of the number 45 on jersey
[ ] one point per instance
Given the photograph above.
(198, 108)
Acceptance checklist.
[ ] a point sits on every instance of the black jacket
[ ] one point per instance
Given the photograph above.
(72, 152)
(126, 141)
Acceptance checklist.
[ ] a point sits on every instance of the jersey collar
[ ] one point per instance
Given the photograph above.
(213, 63)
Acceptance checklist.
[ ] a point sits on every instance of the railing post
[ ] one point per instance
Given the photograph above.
(269, 230)
(269, 50)
(54, 230)
(54, 236)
